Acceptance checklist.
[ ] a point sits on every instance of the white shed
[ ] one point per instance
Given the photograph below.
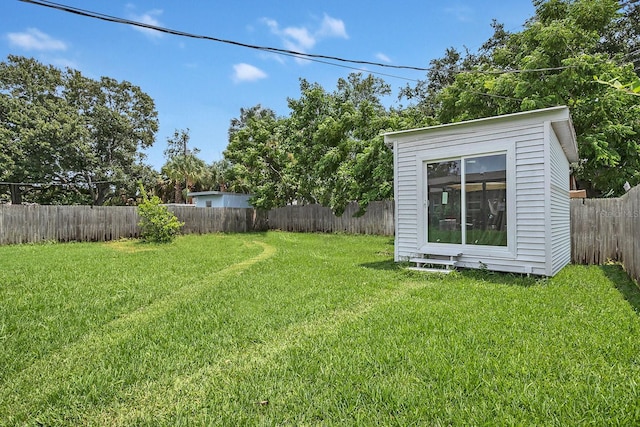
(488, 193)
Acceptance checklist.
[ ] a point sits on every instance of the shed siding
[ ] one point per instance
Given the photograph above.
(530, 199)
(560, 207)
(527, 141)
(406, 187)
(537, 181)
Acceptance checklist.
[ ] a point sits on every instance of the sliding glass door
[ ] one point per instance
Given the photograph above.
(467, 200)
(444, 201)
(485, 184)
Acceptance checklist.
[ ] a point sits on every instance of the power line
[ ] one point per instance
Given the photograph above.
(284, 52)
(308, 56)
(351, 68)
(114, 19)
(318, 58)
(60, 184)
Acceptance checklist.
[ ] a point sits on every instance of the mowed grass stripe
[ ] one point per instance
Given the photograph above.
(505, 351)
(329, 331)
(51, 295)
(52, 370)
(191, 393)
(310, 275)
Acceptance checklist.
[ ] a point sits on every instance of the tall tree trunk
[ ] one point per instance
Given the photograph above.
(177, 192)
(16, 194)
(92, 193)
(101, 195)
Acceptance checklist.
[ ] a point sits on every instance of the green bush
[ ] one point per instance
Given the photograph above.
(157, 223)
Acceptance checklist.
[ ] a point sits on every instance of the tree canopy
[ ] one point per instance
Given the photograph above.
(66, 138)
(557, 59)
(183, 166)
(329, 150)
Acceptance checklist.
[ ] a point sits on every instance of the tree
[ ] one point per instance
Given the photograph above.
(182, 166)
(185, 169)
(622, 36)
(442, 72)
(347, 144)
(551, 62)
(259, 159)
(216, 176)
(122, 121)
(178, 144)
(632, 88)
(329, 150)
(70, 138)
(335, 139)
(40, 128)
(128, 192)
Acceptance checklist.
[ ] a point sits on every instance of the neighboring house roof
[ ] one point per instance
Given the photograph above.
(214, 193)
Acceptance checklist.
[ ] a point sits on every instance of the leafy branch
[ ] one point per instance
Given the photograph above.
(632, 88)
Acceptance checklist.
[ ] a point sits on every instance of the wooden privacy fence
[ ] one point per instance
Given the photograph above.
(217, 220)
(601, 229)
(38, 223)
(378, 219)
(607, 229)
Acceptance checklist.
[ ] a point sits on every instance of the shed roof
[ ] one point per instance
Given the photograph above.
(559, 117)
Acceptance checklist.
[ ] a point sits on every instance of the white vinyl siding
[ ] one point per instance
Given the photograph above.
(560, 216)
(530, 198)
(406, 211)
(537, 185)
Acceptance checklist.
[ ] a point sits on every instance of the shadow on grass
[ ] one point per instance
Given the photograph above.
(386, 265)
(625, 285)
(501, 278)
(498, 278)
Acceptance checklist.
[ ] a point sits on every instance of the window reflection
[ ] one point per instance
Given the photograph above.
(479, 216)
(486, 200)
(443, 182)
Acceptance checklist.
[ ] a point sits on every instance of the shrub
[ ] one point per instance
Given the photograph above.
(157, 223)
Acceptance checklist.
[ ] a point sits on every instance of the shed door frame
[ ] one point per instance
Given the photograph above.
(454, 153)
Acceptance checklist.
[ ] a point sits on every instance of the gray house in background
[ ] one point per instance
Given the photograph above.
(488, 193)
(219, 199)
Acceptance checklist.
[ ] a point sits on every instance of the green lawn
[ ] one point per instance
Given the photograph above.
(306, 329)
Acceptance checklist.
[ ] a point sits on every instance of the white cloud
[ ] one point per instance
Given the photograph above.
(461, 13)
(302, 39)
(299, 36)
(298, 39)
(382, 57)
(272, 24)
(332, 27)
(148, 18)
(34, 39)
(247, 73)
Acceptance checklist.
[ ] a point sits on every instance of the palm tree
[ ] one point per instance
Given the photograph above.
(185, 169)
(215, 177)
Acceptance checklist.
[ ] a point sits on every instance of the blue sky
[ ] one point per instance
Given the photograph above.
(201, 85)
